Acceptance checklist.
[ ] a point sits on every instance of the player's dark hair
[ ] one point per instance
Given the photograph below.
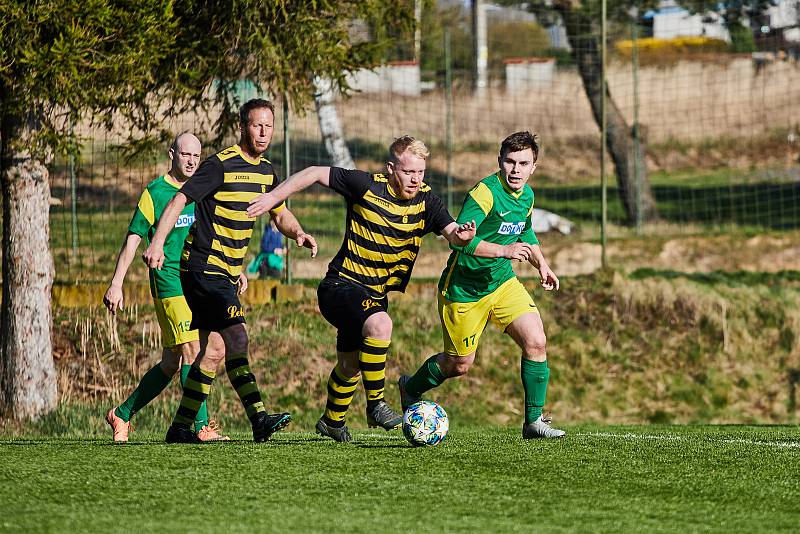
(520, 141)
(250, 105)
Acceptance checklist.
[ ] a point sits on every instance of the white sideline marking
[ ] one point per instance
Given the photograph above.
(383, 436)
(782, 444)
(661, 437)
(387, 435)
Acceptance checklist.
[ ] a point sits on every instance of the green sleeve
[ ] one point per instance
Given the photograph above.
(470, 211)
(528, 236)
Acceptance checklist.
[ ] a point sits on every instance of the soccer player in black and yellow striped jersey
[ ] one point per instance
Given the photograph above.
(212, 263)
(387, 216)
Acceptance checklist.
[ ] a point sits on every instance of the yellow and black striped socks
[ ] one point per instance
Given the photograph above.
(340, 394)
(372, 362)
(195, 391)
(244, 382)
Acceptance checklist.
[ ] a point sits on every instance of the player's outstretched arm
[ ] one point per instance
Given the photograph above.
(295, 183)
(114, 299)
(459, 235)
(547, 278)
(516, 251)
(289, 226)
(153, 256)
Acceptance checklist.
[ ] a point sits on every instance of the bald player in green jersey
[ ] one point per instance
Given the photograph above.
(479, 285)
(180, 342)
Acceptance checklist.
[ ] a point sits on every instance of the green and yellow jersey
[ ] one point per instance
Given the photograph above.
(222, 188)
(166, 282)
(383, 231)
(502, 216)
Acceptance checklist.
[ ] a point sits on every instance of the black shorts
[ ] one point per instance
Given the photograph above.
(213, 299)
(347, 306)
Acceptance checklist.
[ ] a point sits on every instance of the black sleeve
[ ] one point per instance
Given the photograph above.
(436, 215)
(206, 180)
(349, 183)
(276, 178)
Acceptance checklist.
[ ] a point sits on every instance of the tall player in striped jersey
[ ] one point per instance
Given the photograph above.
(479, 285)
(179, 340)
(387, 216)
(211, 265)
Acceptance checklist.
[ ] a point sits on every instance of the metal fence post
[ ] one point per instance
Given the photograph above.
(287, 170)
(603, 134)
(448, 92)
(637, 160)
(73, 186)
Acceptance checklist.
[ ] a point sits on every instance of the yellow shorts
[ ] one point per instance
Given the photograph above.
(464, 322)
(174, 318)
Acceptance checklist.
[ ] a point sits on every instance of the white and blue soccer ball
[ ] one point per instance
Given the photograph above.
(425, 423)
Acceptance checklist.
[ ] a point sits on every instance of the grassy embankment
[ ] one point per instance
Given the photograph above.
(656, 347)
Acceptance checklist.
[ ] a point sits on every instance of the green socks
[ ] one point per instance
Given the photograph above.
(427, 377)
(152, 383)
(535, 376)
(202, 414)
(150, 386)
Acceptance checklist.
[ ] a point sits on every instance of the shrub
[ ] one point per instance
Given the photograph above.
(654, 51)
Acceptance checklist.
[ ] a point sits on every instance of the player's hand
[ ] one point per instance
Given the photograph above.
(517, 251)
(548, 278)
(114, 299)
(466, 232)
(308, 241)
(242, 283)
(153, 256)
(260, 205)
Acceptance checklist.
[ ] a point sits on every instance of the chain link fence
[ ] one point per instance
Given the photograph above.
(718, 132)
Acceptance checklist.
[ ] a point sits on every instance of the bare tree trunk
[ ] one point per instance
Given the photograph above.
(28, 385)
(330, 125)
(619, 140)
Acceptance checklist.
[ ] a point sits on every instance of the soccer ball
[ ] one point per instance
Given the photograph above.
(425, 423)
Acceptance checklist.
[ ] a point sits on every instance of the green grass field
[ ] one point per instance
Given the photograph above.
(481, 479)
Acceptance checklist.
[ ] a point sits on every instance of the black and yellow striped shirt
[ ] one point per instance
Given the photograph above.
(222, 188)
(383, 232)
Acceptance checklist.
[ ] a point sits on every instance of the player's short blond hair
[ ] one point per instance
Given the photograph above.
(410, 144)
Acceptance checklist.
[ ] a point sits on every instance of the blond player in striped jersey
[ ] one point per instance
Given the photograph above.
(387, 216)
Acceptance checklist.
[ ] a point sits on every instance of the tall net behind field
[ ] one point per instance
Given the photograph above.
(720, 133)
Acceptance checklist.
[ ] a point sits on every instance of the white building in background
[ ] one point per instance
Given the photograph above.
(399, 77)
(785, 17)
(529, 73)
(671, 20)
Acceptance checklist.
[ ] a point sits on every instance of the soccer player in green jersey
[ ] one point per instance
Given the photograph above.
(387, 216)
(211, 265)
(178, 339)
(479, 285)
